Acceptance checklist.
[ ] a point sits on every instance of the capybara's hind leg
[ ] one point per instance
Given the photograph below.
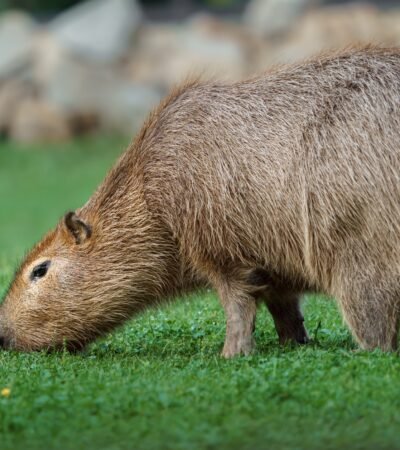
(288, 318)
(240, 310)
(372, 315)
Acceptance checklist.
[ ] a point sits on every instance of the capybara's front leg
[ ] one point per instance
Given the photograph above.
(285, 309)
(240, 310)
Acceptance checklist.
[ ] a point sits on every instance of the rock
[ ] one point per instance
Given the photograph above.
(100, 30)
(71, 83)
(390, 26)
(332, 27)
(12, 93)
(165, 55)
(38, 121)
(124, 106)
(82, 123)
(335, 27)
(17, 31)
(91, 94)
(272, 17)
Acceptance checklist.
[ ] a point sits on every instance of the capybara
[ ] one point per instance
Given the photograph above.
(264, 189)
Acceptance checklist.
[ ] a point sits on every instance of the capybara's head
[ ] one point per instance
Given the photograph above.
(46, 305)
(79, 282)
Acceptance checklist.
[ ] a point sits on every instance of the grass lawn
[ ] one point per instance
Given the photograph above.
(159, 382)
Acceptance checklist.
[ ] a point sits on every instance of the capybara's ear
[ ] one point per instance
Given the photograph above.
(79, 230)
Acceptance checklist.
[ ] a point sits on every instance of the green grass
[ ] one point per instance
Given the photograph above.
(159, 382)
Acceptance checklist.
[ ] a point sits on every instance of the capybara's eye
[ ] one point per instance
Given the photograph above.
(40, 271)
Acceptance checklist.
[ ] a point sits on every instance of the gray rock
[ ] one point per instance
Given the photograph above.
(98, 29)
(124, 106)
(271, 17)
(333, 27)
(16, 43)
(81, 88)
(71, 83)
(38, 121)
(165, 55)
(12, 93)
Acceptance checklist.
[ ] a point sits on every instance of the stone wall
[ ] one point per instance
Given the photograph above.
(103, 66)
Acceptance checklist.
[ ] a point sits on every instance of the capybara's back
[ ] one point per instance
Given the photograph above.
(265, 188)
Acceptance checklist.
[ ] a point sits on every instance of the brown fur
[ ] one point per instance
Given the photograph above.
(265, 188)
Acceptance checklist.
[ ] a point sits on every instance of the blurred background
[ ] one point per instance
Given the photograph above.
(70, 68)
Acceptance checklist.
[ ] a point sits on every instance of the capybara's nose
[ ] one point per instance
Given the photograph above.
(2, 342)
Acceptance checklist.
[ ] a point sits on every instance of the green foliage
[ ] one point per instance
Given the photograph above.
(159, 383)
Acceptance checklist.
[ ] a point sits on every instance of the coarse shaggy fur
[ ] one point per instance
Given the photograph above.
(265, 188)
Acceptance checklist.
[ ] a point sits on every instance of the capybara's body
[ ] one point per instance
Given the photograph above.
(264, 189)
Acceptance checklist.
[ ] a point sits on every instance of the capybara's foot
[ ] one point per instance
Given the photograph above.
(284, 307)
(241, 346)
(292, 331)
